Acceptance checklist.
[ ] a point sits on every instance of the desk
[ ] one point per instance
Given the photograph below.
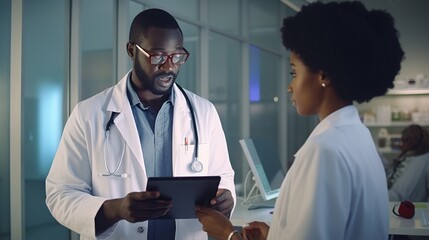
(413, 226)
(397, 225)
(242, 215)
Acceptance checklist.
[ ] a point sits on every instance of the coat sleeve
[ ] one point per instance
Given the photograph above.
(68, 184)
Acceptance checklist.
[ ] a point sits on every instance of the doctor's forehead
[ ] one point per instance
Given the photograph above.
(163, 38)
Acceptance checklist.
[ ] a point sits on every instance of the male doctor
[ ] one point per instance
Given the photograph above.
(139, 128)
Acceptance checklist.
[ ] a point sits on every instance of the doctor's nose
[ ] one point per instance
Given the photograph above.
(169, 66)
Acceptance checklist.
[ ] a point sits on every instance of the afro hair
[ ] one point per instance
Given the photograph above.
(357, 49)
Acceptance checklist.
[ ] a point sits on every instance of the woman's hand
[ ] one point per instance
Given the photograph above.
(216, 224)
(256, 231)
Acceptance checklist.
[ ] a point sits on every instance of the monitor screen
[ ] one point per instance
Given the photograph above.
(265, 166)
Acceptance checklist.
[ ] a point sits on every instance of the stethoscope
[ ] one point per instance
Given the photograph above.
(196, 165)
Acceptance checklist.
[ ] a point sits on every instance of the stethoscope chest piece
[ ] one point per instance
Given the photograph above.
(196, 166)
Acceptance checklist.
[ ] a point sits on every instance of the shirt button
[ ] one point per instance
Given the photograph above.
(140, 229)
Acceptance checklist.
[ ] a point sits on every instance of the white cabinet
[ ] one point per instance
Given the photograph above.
(387, 115)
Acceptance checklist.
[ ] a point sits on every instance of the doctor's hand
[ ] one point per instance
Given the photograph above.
(135, 207)
(141, 206)
(223, 202)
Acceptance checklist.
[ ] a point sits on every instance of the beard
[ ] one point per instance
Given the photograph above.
(153, 83)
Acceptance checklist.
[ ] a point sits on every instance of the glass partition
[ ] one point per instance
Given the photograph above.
(188, 8)
(44, 100)
(225, 15)
(134, 8)
(187, 77)
(5, 21)
(264, 24)
(97, 39)
(264, 96)
(224, 90)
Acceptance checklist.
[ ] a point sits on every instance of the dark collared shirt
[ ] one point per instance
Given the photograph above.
(155, 132)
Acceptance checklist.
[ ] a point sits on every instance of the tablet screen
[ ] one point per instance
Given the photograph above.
(185, 193)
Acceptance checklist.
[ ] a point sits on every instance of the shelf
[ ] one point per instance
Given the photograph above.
(396, 124)
(388, 150)
(408, 91)
(411, 99)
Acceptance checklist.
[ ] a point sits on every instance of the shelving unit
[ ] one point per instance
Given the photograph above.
(397, 124)
(388, 151)
(411, 100)
(408, 91)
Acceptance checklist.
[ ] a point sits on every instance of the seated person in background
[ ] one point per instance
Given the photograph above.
(409, 179)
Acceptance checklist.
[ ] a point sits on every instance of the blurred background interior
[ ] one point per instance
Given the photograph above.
(54, 53)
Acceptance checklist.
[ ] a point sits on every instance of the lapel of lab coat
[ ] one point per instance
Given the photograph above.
(124, 121)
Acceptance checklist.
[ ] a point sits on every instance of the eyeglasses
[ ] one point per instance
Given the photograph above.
(161, 58)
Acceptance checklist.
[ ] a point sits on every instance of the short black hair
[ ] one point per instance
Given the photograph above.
(357, 49)
(152, 17)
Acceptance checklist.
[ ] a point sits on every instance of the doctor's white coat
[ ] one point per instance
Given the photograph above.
(76, 187)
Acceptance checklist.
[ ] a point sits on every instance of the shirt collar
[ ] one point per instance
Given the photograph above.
(347, 115)
(343, 116)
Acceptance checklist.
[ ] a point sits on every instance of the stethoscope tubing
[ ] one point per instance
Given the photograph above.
(196, 165)
(194, 121)
(110, 173)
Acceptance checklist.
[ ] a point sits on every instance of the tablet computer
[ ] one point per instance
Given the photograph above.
(185, 193)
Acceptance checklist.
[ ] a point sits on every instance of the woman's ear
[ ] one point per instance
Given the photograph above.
(324, 79)
(130, 50)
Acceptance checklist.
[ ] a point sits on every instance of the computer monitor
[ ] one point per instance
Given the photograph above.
(265, 166)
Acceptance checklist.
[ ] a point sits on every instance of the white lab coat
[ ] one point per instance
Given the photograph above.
(336, 188)
(75, 188)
